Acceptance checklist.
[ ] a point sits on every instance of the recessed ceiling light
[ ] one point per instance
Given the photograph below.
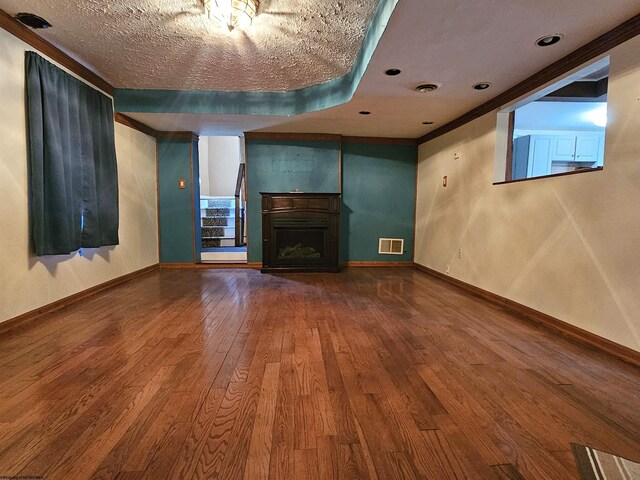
(549, 40)
(427, 123)
(392, 72)
(426, 87)
(364, 112)
(32, 20)
(482, 86)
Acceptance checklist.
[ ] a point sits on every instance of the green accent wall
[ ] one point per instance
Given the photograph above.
(309, 99)
(378, 200)
(378, 190)
(175, 205)
(276, 166)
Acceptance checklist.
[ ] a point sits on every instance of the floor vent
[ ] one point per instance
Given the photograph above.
(391, 246)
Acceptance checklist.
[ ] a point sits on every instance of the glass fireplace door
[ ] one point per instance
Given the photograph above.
(299, 241)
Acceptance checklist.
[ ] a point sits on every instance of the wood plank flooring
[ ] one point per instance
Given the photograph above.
(378, 374)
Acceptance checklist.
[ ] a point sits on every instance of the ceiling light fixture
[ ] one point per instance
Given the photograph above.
(427, 87)
(482, 86)
(32, 20)
(549, 40)
(392, 72)
(232, 13)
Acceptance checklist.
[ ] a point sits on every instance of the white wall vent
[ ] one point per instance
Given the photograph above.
(391, 246)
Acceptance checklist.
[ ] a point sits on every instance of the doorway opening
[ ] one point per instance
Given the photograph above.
(223, 196)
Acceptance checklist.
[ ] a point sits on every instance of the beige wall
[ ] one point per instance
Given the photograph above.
(28, 282)
(203, 164)
(219, 160)
(567, 246)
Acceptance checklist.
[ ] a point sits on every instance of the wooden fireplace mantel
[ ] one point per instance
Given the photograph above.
(285, 215)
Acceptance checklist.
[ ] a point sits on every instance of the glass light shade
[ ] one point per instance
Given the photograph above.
(232, 13)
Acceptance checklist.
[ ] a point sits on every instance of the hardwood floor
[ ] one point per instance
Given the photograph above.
(380, 373)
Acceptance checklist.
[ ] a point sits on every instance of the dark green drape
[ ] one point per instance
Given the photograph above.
(73, 179)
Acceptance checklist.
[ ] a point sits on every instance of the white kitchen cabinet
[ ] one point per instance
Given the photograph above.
(531, 156)
(563, 148)
(588, 148)
(534, 155)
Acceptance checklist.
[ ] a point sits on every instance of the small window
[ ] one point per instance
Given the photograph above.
(559, 130)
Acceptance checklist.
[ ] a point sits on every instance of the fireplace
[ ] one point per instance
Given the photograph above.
(300, 232)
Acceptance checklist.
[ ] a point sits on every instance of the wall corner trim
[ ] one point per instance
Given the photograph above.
(25, 319)
(18, 30)
(571, 332)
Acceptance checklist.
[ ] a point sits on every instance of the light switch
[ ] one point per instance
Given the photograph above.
(182, 184)
(444, 181)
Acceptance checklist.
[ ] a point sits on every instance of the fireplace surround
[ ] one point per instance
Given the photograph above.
(300, 232)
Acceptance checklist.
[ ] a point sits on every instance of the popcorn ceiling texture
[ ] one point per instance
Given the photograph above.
(172, 44)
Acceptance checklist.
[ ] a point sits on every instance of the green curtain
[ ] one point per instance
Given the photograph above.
(73, 179)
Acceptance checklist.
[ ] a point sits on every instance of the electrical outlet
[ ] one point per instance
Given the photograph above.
(457, 155)
(447, 269)
(459, 253)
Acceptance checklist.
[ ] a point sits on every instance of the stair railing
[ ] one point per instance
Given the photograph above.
(241, 204)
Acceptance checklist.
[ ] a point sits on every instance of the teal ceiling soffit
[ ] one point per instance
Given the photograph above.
(294, 102)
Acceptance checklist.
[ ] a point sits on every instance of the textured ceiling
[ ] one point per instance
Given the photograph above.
(452, 42)
(172, 44)
(455, 43)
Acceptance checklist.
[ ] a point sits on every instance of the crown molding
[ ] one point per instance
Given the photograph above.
(18, 30)
(178, 136)
(158, 135)
(381, 140)
(135, 124)
(618, 35)
(327, 137)
(301, 137)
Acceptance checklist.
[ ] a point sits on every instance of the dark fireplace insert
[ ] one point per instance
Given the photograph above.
(300, 232)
